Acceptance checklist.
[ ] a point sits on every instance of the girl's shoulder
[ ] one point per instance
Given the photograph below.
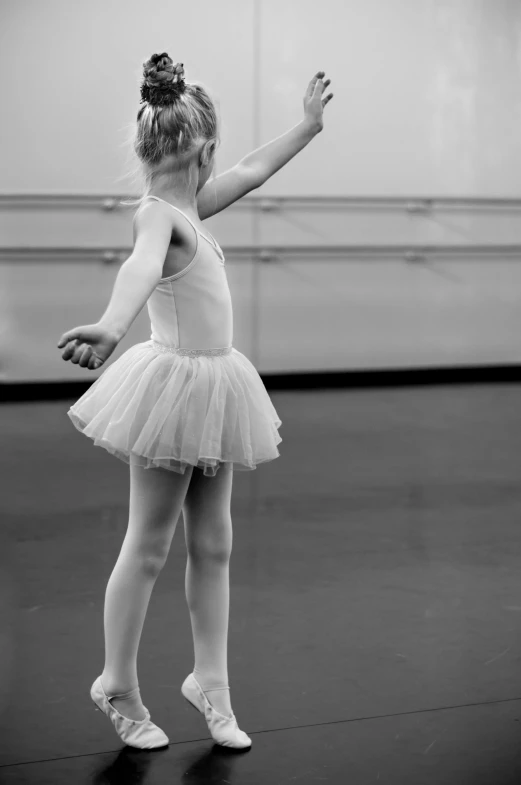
(180, 228)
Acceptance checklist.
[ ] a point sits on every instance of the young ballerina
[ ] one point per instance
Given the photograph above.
(185, 408)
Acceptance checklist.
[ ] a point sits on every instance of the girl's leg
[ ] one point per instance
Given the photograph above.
(156, 500)
(208, 533)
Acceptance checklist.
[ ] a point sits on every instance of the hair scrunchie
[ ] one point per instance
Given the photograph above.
(163, 81)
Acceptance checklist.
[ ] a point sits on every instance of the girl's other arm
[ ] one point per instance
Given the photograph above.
(139, 275)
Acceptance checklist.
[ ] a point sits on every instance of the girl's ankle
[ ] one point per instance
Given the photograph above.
(115, 689)
(208, 682)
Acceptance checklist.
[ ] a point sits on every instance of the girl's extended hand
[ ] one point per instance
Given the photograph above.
(313, 101)
(88, 346)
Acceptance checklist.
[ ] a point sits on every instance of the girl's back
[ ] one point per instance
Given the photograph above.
(191, 307)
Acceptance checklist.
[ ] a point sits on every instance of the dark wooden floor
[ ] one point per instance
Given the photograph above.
(375, 599)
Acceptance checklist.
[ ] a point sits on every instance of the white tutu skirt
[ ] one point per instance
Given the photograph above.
(169, 410)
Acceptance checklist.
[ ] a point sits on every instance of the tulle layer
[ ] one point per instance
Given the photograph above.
(174, 411)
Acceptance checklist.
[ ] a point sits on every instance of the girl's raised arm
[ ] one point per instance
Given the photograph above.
(257, 167)
(272, 156)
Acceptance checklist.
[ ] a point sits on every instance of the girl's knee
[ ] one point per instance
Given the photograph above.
(147, 556)
(213, 544)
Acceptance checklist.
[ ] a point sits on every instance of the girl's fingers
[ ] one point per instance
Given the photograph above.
(320, 86)
(81, 354)
(66, 338)
(69, 350)
(314, 81)
(78, 353)
(85, 355)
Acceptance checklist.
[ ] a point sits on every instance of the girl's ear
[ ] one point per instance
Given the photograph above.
(208, 150)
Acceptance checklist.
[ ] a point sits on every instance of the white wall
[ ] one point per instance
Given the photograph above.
(427, 103)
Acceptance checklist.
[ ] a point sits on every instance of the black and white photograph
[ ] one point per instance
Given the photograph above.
(260, 392)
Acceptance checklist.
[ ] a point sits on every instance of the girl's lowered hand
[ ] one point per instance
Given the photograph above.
(313, 101)
(89, 345)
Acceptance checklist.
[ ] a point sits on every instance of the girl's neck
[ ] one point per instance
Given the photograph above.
(175, 199)
(177, 189)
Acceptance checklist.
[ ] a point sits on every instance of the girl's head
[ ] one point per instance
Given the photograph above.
(177, 130)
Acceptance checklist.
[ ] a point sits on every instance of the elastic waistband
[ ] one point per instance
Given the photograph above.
(160, 347)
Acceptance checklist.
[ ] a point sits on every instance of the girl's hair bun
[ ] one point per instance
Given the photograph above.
(163, 81)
